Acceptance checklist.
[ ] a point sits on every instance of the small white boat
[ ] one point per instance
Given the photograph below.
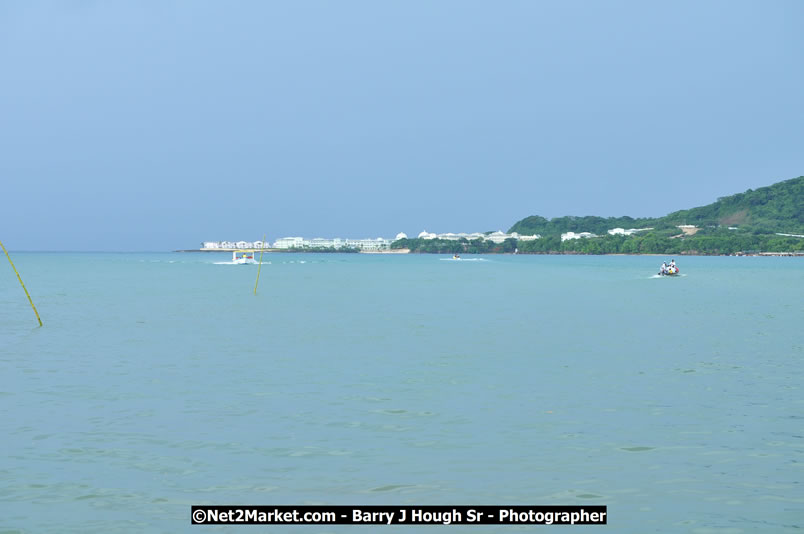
(669, 270)
(243, 257)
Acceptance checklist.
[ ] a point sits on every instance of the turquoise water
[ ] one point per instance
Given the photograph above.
(161, 381)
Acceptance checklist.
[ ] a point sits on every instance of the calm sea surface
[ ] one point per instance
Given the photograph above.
(160, 381)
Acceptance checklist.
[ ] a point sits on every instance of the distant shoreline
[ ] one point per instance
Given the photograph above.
(229, 250)
(295, 251)
(407, 251)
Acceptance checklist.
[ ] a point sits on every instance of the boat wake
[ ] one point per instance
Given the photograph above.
(463, 259)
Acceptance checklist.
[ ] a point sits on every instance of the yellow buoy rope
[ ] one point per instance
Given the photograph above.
(260, 265)
(23, 285)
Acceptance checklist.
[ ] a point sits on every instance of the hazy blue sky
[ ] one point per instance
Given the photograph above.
(155, 125)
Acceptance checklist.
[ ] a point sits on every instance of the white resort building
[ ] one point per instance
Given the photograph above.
(233, 245)
(494, 237)
(630, 231)
(572, 235)
(379, 243)
(289, 242)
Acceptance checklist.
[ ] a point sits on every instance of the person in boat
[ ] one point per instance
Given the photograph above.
(456, 257)
(663, 268)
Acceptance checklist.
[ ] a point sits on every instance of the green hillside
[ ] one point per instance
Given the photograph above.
(776, 208)
(559, 225)
(745, 222)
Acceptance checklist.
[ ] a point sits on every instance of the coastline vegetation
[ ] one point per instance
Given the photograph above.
(461, 246)
(706, 242)
(748, 222)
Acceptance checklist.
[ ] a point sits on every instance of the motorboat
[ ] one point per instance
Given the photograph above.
(671, 270)
(243, 257)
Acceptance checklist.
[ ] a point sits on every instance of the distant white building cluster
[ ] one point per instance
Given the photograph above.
(300, 242)
(494, 237)
(614, 231)
(377, 244)
(232, 245)
(572, 235)
(381, 243)
(336, 243)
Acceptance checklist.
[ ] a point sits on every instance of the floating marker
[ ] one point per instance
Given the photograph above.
(260, 265)
(23, 285)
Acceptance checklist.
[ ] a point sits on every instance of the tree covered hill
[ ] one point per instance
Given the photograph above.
(775, 208)
(745, 222)
(559, 225)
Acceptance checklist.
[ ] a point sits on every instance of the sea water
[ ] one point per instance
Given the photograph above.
(160, 381)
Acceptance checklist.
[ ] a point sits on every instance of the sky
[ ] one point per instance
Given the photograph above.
(155, 125)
